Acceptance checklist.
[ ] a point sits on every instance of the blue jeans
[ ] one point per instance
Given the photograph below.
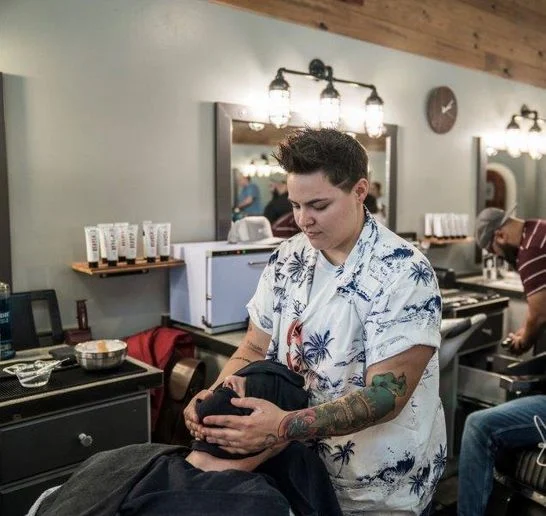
(505, 426)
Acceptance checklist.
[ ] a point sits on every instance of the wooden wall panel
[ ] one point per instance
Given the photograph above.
(502, 37)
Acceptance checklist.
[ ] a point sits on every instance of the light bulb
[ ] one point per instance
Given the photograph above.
(329, 107)
(512, 139)
(534, 141)
(373, 121)
(279, 101)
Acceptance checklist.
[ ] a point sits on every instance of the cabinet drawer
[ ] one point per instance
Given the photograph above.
(52, 442)
(16, 499)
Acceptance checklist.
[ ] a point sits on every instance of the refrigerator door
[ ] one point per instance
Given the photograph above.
(232, 278)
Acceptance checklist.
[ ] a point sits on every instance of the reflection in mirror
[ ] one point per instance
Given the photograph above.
(250, 182)
(504, 181)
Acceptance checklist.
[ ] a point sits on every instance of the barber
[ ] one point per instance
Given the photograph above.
(522, 243)
(356, 310)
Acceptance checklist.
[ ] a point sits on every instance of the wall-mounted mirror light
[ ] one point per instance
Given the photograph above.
(330, 100)
(523, 134)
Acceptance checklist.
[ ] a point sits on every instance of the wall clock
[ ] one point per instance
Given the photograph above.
(441, 109)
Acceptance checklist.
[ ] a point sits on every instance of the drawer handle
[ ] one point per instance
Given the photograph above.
(258, 263)
(85, 440)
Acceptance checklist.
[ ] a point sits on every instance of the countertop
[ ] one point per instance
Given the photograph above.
(45, 401)
(221, 343)
(508, 287)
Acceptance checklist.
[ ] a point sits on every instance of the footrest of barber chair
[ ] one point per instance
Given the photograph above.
(525, 477)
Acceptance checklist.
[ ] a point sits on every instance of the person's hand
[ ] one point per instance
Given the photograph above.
(190, 415)
(519, 344)
(245, 434)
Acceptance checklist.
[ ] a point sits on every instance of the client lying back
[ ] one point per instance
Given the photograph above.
(150, 479)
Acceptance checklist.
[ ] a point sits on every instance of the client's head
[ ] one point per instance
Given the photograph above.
(262, 379)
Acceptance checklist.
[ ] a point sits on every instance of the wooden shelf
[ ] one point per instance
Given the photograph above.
(446, 241)
(140, 267)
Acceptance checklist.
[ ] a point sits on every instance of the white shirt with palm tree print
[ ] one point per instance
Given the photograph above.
(382, 301)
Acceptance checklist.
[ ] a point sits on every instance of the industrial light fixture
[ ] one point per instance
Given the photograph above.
(532, 141)
(330, 99)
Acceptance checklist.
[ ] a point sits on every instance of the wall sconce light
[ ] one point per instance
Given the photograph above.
(330, 99)
(532, 141)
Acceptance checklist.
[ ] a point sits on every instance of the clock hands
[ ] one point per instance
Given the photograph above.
(445, 109)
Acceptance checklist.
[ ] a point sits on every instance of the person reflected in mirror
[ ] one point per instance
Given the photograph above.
(356, 310)
(279, 204)
(248, 198)
(489, 432)
(377, 191)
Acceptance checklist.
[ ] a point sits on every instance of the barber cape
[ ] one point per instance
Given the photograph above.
(382, 301)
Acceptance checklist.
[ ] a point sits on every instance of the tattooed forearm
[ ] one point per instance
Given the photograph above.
(349, 414)
(253, 347)
(240, 358)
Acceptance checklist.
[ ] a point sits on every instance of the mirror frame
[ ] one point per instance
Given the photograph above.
(5, 240)
(481, 184)
(225, 114)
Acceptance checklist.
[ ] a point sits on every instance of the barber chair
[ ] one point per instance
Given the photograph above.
(454, 332)
(520, 482)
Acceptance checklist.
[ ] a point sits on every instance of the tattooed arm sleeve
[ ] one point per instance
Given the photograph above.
(389, 386)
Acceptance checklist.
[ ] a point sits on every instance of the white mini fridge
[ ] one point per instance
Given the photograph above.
(211, 291)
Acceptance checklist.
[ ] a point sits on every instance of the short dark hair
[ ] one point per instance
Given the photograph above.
(342, 159)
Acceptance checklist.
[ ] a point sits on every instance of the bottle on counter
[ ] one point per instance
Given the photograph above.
(6, 346)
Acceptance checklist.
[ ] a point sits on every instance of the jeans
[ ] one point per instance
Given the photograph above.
(486, 432)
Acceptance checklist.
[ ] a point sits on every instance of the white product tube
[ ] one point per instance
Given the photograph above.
(121, 235)
(92, 246)
(437, 225)
(111, 246)
(428, 225)
(145, 223)
(132, 239)
(103, 239)
(150, 242)
(164, 241)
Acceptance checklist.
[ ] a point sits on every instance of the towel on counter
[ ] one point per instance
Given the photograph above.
(156, 347)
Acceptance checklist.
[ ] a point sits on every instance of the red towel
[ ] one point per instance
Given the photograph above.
(155, 347)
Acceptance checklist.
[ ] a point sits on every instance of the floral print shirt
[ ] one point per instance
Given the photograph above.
(382, 301)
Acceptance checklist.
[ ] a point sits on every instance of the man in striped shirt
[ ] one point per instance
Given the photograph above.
(510, 425)
(522, 243)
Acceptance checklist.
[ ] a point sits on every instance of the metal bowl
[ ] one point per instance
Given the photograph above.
(97, 355)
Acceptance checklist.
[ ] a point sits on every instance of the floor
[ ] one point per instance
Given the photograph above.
(445, 498)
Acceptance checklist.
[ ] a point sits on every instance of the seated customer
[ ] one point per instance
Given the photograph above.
(150, 479)
(279, 204)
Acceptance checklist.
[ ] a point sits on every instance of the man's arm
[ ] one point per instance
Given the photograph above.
(522, 340)
(389, 385)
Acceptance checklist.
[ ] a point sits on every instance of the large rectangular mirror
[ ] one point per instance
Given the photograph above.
(504, 181)
(237, 144)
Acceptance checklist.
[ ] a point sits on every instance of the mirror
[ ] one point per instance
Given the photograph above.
(5, 248)
(237, 145)
(504, 181)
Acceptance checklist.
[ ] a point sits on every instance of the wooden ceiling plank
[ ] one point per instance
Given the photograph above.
(443, 31)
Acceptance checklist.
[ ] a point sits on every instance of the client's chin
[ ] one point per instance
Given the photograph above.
(206, 462)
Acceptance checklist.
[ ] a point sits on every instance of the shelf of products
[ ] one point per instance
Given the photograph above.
(140, 267)
(446, 241)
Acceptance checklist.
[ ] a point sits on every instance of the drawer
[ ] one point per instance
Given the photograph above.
(52, 442)
(480, 385)
(16, 499)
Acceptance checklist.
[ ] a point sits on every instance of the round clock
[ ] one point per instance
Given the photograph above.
(441, 109)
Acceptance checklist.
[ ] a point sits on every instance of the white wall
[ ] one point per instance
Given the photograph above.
(109, 118)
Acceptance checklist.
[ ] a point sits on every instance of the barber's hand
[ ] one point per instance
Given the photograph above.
(190, 415)
(245, 434)
(519, 344)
